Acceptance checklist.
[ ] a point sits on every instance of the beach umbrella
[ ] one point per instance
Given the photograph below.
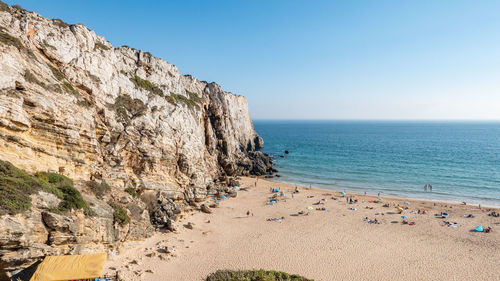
(479, 228)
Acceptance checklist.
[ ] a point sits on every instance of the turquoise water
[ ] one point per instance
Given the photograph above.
(460, 160)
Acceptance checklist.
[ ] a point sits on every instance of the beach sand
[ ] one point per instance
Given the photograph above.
(335, 244)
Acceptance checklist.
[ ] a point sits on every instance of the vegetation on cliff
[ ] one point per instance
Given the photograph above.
(192, 100)
(120, 215)
(99, 189)
(10, 40)
(254, 275)
(17, 186)
(130, 190)
(127, 108)
(146, 85)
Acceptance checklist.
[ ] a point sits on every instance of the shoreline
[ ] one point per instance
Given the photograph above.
(337, 188)
(332, 244)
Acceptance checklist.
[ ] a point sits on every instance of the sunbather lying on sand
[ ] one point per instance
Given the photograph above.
(276, 219)
(374, 221)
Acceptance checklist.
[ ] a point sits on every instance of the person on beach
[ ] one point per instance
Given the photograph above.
(425, 188)
(310, 187)
(430, 188)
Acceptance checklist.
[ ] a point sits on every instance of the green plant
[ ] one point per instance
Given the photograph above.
(11, 40)
(31, 78)
(127, 108)
(120, 215)
(193, 97)
(17, 186)
(99, 189)
(146, 85)
(130, 190)
(192, 100)
(254, 275)
(56, 72)
(69, 88)
(71, 197)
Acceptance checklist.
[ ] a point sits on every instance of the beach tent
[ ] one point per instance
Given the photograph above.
(76, 267)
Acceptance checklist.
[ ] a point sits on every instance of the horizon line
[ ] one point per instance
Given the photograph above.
(382, 120)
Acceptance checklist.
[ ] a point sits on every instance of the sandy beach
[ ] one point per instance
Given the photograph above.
(332, 244)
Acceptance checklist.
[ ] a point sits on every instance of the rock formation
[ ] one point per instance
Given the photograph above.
(73, 104)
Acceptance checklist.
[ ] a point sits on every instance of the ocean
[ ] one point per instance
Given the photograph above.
(461, 160)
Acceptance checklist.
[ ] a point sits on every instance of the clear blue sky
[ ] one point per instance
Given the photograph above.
(318, 59)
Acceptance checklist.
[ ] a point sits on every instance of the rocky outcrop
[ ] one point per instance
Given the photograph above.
(72, 103)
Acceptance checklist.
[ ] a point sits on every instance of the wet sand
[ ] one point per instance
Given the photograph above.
(336, 244)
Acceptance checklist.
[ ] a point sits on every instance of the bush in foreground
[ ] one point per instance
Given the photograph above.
(17, 186)
(254, 275)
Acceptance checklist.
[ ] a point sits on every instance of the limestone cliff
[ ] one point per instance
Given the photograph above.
(72, 103)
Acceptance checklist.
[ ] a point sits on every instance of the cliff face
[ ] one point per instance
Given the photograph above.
(72, 103)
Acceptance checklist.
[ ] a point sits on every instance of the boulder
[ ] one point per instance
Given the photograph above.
(205, 209)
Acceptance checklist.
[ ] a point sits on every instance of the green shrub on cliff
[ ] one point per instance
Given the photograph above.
(16, 186)
(127, 108)
(99, 189)
(146, 85)
(71, 197)
(192, 100)
(69, 88)
(254, 275)
(130, 190)
(120, 215)
(56, 72)
(11, 40)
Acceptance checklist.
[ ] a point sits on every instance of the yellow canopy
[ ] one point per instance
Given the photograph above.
(62, 268)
